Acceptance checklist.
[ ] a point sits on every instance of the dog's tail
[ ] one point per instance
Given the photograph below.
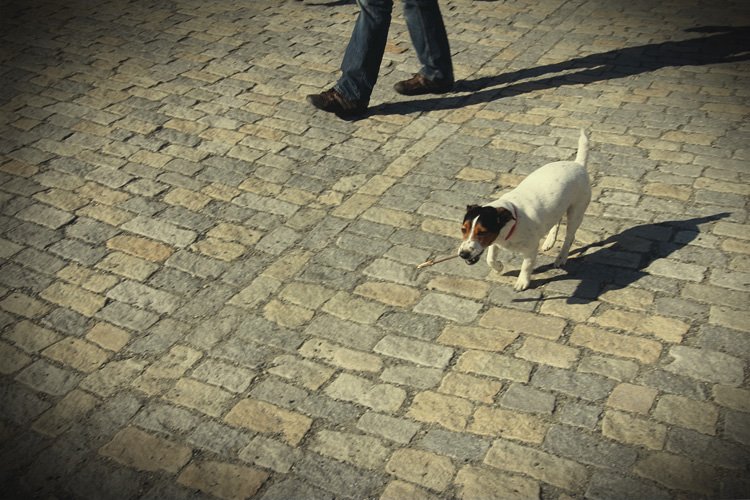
(583, 148)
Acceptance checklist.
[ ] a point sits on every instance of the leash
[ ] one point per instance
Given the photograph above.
(515, 222)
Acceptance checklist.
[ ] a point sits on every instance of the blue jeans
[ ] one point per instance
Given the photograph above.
(366, 47)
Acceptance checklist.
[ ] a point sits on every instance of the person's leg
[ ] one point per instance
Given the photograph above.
(430, 40)
(361, 63)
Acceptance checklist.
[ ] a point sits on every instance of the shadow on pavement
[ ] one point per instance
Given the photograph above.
(622, 259)
(725, 44)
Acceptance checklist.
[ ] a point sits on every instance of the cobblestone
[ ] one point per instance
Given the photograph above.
(209, 288)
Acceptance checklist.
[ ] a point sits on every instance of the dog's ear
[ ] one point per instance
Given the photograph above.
(504, 216)
(472, 211)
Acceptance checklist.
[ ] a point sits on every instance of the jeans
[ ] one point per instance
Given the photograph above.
(361, 64)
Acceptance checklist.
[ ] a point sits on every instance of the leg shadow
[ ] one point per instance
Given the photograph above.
(722, 45)
(622, 259)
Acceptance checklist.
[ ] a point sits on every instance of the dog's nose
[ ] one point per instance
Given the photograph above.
(464, 254)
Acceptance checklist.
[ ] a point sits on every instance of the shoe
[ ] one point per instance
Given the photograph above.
(419, 85)
(333, 102)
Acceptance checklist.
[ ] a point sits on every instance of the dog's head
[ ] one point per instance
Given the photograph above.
(480, 228)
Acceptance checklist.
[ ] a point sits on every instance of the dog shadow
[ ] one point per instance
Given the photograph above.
(620, 260)
(723, 45)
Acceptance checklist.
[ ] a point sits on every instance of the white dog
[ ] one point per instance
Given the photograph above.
(518, 220)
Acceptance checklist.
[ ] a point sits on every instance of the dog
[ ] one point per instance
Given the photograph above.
(518, 220)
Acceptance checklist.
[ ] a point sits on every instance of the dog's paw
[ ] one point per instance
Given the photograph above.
(496, 265)
(522, 283)
(561, 260)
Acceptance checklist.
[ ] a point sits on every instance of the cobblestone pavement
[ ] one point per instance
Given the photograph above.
(209, 289)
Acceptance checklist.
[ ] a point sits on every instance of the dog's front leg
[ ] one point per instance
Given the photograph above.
(524, 277)
(492, 259)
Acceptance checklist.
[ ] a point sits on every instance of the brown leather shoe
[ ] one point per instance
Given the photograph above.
(333, 102)
(419, 85)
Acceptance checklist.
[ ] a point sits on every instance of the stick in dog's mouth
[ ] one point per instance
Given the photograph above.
(432, 262)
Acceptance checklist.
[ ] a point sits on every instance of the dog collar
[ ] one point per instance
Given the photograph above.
(515, 222)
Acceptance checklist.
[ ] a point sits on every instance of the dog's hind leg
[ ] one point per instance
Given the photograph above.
(549, 241)
(575, 217)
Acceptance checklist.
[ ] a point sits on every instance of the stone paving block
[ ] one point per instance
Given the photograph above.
(605, 484)
(87, 482)
(199, 396)
(668, 329)
(414, 351)
(113, 377)
(85, 278)
(140, 450)
(222, 479)
(455, 309)
(548, 353)
(588, 448)
(629, 429)
(494, 365)
(617, 369)
(424, 468)
(412, 376)
(47, 378)
(340, 356)
(144, 297)
(702, 448)
(389, 293)
(586, 386)
(162, 231)
(732, 397)
(560, 472)
(709, 366)
(528, 399)
(395, 429)
(470, 387)
(69, 410)
(267, 418)
(12, 359)
(23, 305)
(379, 397)
(449, 411)
(677, 472)
(736, 427)
(108, 336)
(45, 215)
(30, 337)
(643, 350)
(497, 422)
(362, 451)
(401, 489)
(127, 266)
(479, 482)
(140, 247)
(633, 398)
(78, 354)
(688, 413)
(524, 322)
(126, 316)
(468, 337)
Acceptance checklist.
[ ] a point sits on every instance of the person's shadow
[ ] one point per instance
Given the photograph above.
(725, 44)
(622, 259)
